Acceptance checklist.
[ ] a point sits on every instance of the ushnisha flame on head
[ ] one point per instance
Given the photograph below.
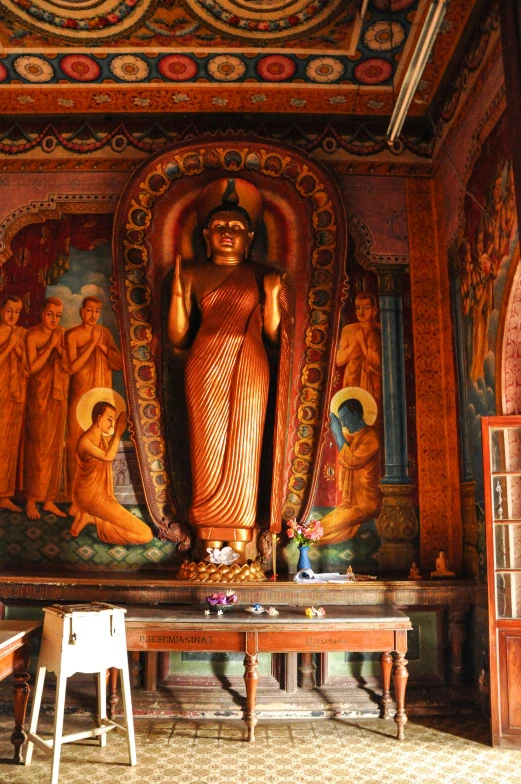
(230, 195)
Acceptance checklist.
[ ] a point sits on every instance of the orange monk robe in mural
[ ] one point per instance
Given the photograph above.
(360, 470)
(93, 487)
(92, 355)
(13, 376)
(46, 410)
(360, 349)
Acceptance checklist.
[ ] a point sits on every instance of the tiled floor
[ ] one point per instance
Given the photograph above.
(435, 751)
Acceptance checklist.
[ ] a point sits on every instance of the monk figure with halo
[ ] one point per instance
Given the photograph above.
(353, 414)
(102, 416)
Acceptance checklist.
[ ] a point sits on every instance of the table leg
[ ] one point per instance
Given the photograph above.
(400, 683)
(251, 676)
(307, 671)
(386, 663)
(20, 698)
(113, 692)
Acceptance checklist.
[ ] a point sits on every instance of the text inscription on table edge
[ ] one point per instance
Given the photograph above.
(171, 639)
(327, 640)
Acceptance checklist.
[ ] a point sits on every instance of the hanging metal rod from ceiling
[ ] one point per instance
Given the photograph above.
(357, 28)
(416, 68)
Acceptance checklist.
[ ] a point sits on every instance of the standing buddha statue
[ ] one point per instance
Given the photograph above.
(224, 312)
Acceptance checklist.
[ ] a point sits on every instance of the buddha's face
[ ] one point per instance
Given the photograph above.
(227, 238)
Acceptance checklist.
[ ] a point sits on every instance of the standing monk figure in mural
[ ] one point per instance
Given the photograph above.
(13, 375)
(236, 304)
(46, 410)
(92, 355)
(93, 487)
(359, 458)
(360, 349)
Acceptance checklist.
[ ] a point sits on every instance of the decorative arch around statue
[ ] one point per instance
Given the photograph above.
(303, 233)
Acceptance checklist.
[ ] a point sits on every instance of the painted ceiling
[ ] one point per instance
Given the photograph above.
(254, 56)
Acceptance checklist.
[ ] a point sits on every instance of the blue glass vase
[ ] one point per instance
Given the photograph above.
(303, 557)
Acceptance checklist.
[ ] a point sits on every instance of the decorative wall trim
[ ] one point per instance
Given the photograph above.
(438, 469)
(123, 139)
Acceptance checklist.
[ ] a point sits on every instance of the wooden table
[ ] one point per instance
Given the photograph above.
(15, 638)
(345, 628)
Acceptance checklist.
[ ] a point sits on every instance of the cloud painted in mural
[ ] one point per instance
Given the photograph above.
(88, 275)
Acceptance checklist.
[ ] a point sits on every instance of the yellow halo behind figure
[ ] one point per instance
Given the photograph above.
(97, 395)
(366, 399)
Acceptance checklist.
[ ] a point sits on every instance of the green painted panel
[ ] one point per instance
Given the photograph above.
(422, 655)
(203, 663)
(15, 613)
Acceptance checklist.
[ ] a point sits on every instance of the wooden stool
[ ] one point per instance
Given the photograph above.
(81, 638)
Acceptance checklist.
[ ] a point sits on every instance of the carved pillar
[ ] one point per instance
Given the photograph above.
(397, 523)
(436, 426)
(467, 486)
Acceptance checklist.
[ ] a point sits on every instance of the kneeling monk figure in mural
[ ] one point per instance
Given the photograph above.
(234, 306)
(359, 458)
(93, 487)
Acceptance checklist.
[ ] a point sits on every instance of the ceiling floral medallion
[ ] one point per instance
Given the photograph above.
(325, 69)
(34, 69)
(80, 20)
(129, 68)
(267, 20)
(226, 68)
(384, 35)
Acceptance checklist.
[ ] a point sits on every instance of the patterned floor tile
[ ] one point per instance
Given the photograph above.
(452, 751)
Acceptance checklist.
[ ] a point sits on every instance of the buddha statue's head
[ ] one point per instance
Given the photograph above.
(229, 211)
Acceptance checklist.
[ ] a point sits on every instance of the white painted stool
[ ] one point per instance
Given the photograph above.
(81, 638)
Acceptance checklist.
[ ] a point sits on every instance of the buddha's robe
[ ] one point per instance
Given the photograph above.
(226, 381)
(94, 502)
(97, 372)
(45, 414)
(13, 378)
(364, 370)
(359, 461)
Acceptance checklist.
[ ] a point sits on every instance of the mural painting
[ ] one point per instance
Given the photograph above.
(349, 500)
(488, 249)
(359, 447)
(60, 379)
(13, 378)
(93, 499)
(45, 411)
(328, 348)
(62, 365)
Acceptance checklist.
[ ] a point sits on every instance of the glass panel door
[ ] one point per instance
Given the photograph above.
(502, 484)
(505, 478)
